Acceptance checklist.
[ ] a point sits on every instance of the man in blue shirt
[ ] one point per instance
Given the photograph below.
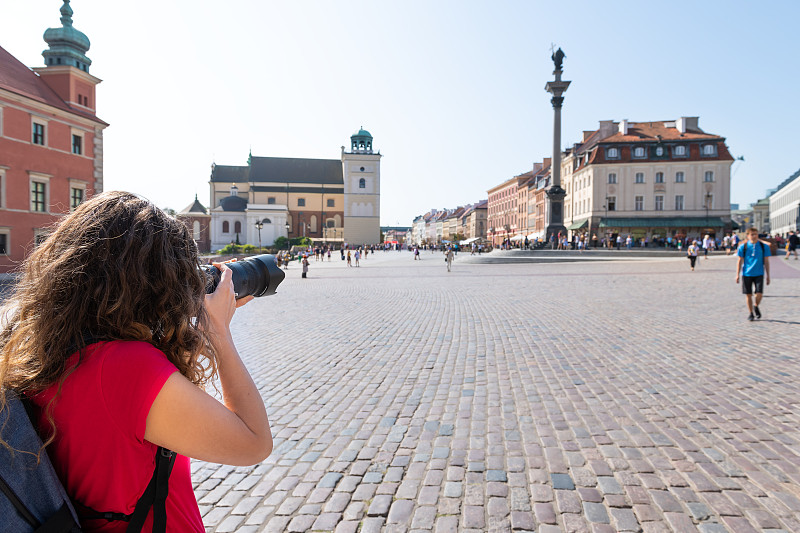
(752, 266)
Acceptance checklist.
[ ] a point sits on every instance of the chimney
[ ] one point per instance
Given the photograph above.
(623, 126)
(537, 167)
(547, 161)
(685, 124)
(607, 128)
(586, 135)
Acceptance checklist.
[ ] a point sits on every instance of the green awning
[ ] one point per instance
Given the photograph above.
(666, 222)
(578, 225)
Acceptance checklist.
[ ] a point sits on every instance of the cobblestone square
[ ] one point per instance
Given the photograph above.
(593, 396)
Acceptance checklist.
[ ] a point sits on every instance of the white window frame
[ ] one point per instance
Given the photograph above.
(659, 177)
(42, 122)
(82, 135)
(611, 200)
(680, 151)
(639, 152)
(709, 150)
(76, 184)
(638, 203)
(637, 176)
(39, 234)
(706, 175)
(680, 206)
(612, 153)
(5, 230)
(612, 178)
(39, 178)
(682, 176)
(659, 202)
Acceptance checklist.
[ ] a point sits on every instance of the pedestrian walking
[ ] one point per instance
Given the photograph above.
(791, 245)
(305, 266)
(753, 268)
(349, 259)
(448, 258)
(416, 254)
(706, 245)
(691, 253)
(358, 256)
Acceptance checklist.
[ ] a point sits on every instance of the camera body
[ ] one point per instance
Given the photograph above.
(258, 276)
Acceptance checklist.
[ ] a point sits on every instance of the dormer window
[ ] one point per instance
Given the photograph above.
(612, 153)
(679, 151)
(659, 151)
(709, 150)
(639, 152)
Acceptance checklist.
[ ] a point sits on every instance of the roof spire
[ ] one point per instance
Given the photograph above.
(66, 14)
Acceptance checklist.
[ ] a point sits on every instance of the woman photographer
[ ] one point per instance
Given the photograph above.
(110, 333)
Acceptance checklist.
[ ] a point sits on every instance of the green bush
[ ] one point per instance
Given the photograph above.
(229, 249)
(250, 248)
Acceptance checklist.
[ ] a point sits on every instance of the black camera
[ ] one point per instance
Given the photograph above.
(258, 275)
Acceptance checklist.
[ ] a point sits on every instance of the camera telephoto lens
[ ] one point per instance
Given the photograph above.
(258, 275)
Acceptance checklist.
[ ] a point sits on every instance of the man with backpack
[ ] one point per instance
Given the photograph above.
(752, 267)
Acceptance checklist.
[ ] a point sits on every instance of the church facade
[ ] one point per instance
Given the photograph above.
(333, 201)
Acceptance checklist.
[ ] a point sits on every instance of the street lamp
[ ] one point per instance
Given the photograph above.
(708, 201)
(259, 225)
(606, 208)
(288, 227)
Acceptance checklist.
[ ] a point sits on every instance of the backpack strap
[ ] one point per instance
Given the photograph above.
(155, 496)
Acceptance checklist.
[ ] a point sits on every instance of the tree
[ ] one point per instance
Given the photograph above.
(171, 212)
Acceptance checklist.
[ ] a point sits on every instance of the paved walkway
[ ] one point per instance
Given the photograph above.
(591, 396)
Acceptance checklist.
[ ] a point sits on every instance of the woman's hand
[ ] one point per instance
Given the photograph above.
(222, 303)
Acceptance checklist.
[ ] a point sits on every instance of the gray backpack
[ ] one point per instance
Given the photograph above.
(32, 498)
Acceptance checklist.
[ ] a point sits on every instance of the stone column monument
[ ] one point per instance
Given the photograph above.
(555, 194)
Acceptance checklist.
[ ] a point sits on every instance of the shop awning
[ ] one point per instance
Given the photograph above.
(517, 237)
(666, 222)
(578, 225)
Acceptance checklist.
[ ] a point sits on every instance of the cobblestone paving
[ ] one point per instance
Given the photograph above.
(586, 397)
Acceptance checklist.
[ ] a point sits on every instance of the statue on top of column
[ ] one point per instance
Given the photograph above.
(558, 58)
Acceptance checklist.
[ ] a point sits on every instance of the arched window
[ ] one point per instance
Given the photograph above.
(362, 183)
(330, 223)
(337, 221)
(237, 227)
(266, 221)
(638, 151)
(196, 230)
(313, 224)
(226, 227)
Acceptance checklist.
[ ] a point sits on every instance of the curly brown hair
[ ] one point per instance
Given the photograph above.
(117, 268)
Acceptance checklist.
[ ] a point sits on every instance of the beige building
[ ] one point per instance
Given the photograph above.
(328, 200)
(475, 221)
(651, 180)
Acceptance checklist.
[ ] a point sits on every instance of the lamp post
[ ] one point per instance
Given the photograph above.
(288, 227)
(606, 220)
(556, 194)
(708, 201)
(259, 225)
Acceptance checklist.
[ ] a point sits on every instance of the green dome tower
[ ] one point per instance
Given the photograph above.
(67, 46)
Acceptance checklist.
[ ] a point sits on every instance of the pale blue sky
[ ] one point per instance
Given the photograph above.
(453, 92)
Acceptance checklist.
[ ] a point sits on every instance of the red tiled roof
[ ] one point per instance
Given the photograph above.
(651, 131)
(19, 79)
